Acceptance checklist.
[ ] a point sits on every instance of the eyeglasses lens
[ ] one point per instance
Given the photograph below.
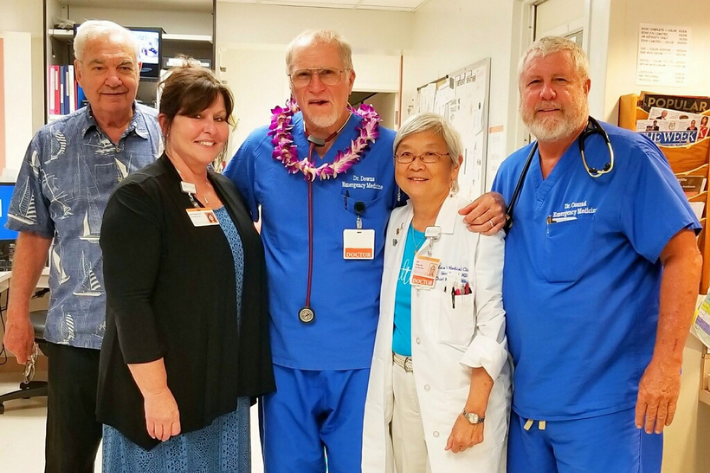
(302, 77)
(428, 157)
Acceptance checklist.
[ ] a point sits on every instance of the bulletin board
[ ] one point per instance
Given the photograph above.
(463, 97)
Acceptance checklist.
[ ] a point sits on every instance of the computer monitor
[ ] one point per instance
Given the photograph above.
(151, 54)
(7, 237)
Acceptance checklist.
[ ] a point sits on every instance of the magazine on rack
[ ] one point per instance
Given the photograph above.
(683, 103)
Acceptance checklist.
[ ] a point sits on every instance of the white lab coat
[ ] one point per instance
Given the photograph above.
(446, 343)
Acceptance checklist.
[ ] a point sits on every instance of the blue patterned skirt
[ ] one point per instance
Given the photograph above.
(221, 447)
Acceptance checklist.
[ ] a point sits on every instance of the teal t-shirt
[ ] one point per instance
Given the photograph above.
(402, 336)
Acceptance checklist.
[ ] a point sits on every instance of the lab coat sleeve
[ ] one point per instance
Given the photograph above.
(488, 349)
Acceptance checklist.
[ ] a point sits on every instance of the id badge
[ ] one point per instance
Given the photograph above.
(424, 271)
(188, 187)
(359, 244)
(202, 217)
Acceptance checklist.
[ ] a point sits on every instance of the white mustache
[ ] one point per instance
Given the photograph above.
(548, 106)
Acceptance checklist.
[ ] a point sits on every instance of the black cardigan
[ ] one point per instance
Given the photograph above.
(171, 293)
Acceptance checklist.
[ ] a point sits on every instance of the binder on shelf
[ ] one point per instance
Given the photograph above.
(62, 90)
(53, 90)
(80, 97)
(64, 95)
(71, 89)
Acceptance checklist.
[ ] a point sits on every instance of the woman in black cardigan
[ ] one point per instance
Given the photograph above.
(186, 346)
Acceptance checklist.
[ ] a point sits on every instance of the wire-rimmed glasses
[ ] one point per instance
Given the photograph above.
(328, 76)
(427, 157)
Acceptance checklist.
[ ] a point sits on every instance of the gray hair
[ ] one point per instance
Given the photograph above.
(92, 30)
(437, 124)
(320, 37)
(543, 47)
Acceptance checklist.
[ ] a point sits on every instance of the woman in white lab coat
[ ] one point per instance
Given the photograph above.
(439, 393)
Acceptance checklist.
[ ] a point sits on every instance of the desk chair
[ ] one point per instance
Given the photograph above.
(33, 388)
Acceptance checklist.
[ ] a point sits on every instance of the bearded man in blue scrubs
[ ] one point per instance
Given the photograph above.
(600, 281)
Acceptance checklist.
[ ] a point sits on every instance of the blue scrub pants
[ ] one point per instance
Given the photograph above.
(604, 444)
(314, 414)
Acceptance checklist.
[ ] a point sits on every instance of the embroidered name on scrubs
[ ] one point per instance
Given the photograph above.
(362, 182)
(571, 211)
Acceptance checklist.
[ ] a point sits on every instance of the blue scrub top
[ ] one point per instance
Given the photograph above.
(345, 294)
(582, 274)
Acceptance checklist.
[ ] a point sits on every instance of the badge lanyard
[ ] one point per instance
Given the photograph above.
(199, 215)
(190, 189)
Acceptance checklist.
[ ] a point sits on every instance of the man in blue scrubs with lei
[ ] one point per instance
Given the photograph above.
(600, 281)
(323, 177)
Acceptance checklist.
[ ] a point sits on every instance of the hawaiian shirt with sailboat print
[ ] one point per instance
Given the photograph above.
(69, 171)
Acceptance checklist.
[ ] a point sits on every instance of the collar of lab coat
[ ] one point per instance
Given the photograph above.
(446, 220)
(448, 213)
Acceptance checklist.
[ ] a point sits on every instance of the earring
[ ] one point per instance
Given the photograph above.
(399, 195)
(454, 188)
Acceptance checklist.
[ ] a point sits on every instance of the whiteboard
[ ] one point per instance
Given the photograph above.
(463, 97)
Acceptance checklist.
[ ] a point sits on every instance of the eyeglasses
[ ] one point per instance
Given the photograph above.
(328, 76)
(427, 157)
(30, 365)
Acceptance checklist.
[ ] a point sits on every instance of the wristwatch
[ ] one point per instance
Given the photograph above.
(472, 418)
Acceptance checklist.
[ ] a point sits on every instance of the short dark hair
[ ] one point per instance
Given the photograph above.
(189, 89)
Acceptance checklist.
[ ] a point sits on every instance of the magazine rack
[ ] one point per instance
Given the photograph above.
(690, 160)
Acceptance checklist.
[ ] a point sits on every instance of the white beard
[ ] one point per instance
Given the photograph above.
(555, 128)
(324, 121)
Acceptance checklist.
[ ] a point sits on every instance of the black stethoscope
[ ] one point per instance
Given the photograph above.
(593, 128)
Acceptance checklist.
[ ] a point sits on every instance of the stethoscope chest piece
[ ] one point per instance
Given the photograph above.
(306, 315)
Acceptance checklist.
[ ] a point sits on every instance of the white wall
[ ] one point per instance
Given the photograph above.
(368, 31)
(26, 16)
(252, 39)
(559, 17)
(386, 106)
(623, 27)
(17, 47)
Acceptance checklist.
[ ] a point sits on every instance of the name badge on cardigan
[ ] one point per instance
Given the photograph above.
(202, 217)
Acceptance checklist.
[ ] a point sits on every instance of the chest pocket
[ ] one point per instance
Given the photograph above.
(569, 249)
(456, 324)
(456, 319)
(373, 206)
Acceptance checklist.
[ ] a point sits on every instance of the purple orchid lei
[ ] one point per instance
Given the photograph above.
(285, 149)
